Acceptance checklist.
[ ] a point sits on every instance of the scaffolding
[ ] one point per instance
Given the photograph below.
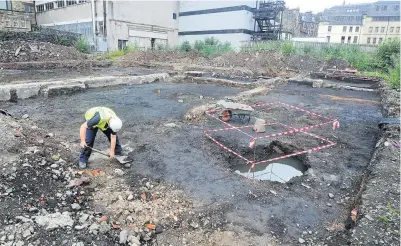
(268, 20)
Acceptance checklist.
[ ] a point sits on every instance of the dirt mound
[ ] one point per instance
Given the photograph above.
(22, 51)
(266, 63)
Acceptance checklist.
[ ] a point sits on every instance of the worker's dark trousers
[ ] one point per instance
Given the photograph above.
(90, 140)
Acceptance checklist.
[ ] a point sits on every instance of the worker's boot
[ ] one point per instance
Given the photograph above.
(82, 165)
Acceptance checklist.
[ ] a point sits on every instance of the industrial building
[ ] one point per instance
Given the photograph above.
(370, 23)
(111, 25)
(239, 21)
(228, 21)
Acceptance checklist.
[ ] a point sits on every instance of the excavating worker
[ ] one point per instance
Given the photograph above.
(107, 121)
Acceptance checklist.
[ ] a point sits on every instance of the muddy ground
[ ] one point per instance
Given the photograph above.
(209, 203)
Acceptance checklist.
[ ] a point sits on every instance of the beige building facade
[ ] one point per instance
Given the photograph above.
(367, 24)
(350, 34)
(112, 25)
(375, 32)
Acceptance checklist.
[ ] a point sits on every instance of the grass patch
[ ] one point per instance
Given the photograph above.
(384, 61)
(208, 46)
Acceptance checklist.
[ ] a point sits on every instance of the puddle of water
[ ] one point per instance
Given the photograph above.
(281, 170)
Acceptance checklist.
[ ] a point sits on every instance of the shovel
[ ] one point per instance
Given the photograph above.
(121, 159)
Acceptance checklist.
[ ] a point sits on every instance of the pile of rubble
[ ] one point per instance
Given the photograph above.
(44, 199)
(269, 63)
(23, 51)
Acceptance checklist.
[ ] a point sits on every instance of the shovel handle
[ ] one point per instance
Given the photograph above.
(98, 151)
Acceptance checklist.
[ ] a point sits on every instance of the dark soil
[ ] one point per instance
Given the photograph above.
(228, 209)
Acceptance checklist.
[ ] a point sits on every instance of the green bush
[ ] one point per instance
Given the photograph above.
(288, 48)
(82, 45)
(393, 76)
(199, 45)
(212, 41)
(185, 46)
(307, 49)
(209, 46)
(385, 53)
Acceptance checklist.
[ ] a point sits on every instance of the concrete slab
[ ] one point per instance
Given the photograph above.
(27, 90)
(5, 94)
(232, 105)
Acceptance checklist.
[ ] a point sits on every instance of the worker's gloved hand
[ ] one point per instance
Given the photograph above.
(111, 154)
(82, 144)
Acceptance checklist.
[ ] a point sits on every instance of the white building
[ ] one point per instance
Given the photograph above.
(228, 21)
(112, 25)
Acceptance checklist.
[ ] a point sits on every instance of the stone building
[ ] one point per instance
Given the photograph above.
(16, 15)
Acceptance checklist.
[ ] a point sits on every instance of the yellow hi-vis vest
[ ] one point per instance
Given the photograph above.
(105, 115)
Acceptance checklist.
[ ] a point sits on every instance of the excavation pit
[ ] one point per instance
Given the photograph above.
(281, 171)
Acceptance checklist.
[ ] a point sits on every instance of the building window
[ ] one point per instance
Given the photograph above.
(60, 4)
(71, 2)
(355, 39)
(376, 29)
(397, 30)
(350, 29)
(374, 41)
(23, 24)
(392, 29)
(384, 7)
(174, 16)
(368, 41)
(349, 40)
(6, 4)
(380, 40)
(8, 23)
(82, 1)
(357, 29)
(343, 39)
(370, 29)
(344, 28)
(101, 28)
(328, 39)
(382, 29)
(397, 7)
(40, 8)
(122, 44)
(329, 29)
(49, 5)
(377, 7)
(29, 8)
(15, 24)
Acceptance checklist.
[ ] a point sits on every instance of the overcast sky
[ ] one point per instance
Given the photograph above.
(319, 5)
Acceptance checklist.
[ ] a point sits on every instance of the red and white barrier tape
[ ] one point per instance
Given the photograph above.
(252, 143)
